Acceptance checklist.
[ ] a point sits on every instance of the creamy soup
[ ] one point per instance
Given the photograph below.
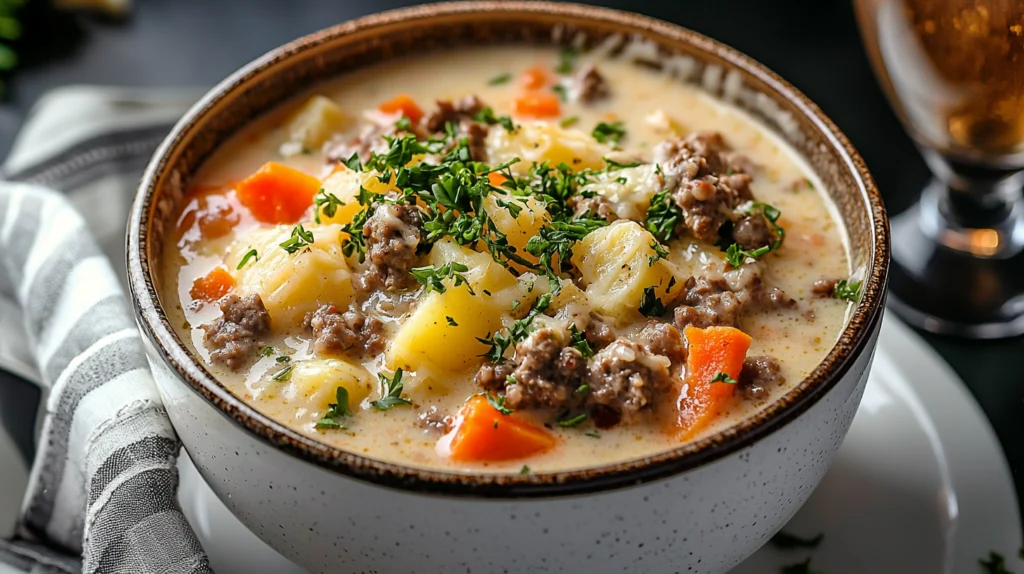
(508, 259)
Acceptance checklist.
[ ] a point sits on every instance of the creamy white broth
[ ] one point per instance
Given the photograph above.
(646, 102)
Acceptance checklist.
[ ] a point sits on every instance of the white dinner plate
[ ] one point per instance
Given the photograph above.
(919, 486)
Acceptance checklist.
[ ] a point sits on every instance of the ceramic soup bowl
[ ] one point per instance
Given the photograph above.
(702, 507)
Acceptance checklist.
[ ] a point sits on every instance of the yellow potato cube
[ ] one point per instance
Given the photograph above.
(616, 266)
(316, 121)
(518, 230)
(344, 184)
(293, 284)
(314, 383)
(435, 347)
(535, 142)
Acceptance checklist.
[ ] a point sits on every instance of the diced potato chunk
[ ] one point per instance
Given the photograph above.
(518, 230)
(316, 121)
(535, 142)
(293, 284)
(429, 344)
(344, 184)
(315, 382)
(615, 264)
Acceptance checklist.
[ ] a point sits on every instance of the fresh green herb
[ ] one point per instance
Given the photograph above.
(251, 254)
(574, 421)
(300, 238)
(353, 162)
(284, 359)
(848, 290)
(799, 568)
(487, 116)
(569, 121)
(433, 278)
(403, 123)
(557, 239)
(451, 322)
(578, 340)
(567, 60)
(498, 402)
(612, 165)
(592, 434)
(499, 80)
(736, 255)
(663, 215)
(659, 253)
(327, 202)
(582, 389)
(390, 392)
(562, 91)
(524, 470)
(336, 411)
(515, 333)
(650, 305)
(267, 351)
(515, 304)
(785, 541)
(605, 132)
(621, 180)
(994, 564)
(283, 375)
(721, 377)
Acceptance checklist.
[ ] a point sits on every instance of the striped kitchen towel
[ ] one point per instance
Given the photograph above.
(102, 489)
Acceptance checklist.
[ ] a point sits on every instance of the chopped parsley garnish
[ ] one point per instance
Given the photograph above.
(579, 342)
(433, 278)
(582, 389)
(659, 253)
(736, 255)
(557, 239)
(487, 116)
(592, 434)
(300, 238)
(574, 421)
(515, 333)
(994, 564)
(848, 290)
(327, 202)
(721, 377)
(499, 80)
(569, 121)
(663, 215)
(498, 402)
(650, 305)
(390, 392)
(515, 304)
(451, 322)
(336, 411)
(785, 541)
(251, 254)
(567, 60)
(562, 91)
(403, 123)
(605, 132)
(267, 351)
(284, 359)
(613, 165)
(524, 470)
(353, 162)
(283, 375)
(799, 568)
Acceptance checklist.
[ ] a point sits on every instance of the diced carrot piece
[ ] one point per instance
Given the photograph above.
(538, 105)
(210, 211)
(496, 178)
(405, 104)
(483, 433)
(277, 193)
(213, 285)
(535, 78)
(712, 351)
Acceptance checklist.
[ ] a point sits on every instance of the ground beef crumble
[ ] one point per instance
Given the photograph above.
(547, 372)
(234, 338)
(597, 205)
(720, 297)
(591, 85)
(460, 113)
(625, 377)
(759, 376)
(824, 287)
(392, 235)
(336, 332)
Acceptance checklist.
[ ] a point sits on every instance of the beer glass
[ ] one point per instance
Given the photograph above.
(954, 72)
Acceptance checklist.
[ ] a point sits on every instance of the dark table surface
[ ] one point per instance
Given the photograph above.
(812, 43)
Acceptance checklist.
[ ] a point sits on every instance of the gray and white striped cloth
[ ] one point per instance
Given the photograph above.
(102, 489)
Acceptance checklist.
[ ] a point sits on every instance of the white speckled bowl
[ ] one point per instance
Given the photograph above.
(700, 508)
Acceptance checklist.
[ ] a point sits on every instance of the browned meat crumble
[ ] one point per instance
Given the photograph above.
(335, 332)
(392, 234)
(234, 338)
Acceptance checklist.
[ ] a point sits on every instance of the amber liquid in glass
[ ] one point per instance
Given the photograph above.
(954, 70)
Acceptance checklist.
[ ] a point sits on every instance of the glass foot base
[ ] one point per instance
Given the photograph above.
(966, 282)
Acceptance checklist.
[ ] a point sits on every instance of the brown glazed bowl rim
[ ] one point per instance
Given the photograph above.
(853, 341)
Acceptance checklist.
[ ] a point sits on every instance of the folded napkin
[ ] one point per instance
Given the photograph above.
(102, 489)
